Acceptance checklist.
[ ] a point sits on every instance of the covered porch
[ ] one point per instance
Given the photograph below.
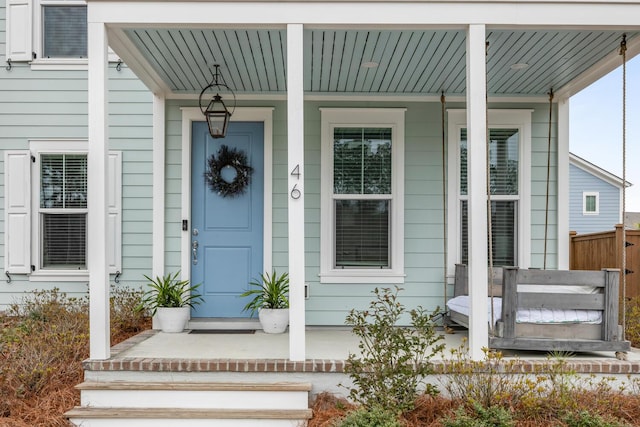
(306, 54)
(259, 357)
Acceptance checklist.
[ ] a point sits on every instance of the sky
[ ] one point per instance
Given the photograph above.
(596, 127)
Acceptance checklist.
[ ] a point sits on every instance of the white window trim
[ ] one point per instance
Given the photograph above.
(520, 119)
(363, 117)
(38, 43)
(241, 114)
(585, 194)
(41, 63)
(39, 147)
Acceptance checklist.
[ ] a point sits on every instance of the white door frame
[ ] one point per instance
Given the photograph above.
(241, 114)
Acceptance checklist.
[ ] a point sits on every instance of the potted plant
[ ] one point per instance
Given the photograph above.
(171, 299)
(270, 298)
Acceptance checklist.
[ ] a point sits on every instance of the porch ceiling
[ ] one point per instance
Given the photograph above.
(401, 62)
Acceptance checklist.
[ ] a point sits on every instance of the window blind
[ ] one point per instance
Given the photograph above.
(64, 240)
(503, 232)
(362, 168)
(63, 210)
(362, 233)
(64, 31)
(503, 166)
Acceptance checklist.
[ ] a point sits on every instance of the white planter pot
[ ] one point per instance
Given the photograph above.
(173, 319)
(274, 321)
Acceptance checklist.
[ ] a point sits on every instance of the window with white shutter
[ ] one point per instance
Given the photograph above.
(50, 34)
(46, 211)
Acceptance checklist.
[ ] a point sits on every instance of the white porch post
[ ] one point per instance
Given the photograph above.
(563, 184)
(100, 341)
(295, 149)
(158, 185)
(477, 189)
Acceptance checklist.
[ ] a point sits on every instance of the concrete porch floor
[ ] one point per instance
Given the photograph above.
(326, 343)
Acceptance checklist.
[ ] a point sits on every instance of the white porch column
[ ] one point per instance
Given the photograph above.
(97, 205)
(477, 189)
(563, 184)
(158, 186)
(295, 149)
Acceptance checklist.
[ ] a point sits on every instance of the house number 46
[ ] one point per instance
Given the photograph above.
(295, 193)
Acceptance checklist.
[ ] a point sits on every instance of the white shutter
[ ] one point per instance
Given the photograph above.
(114, 228)
(17, 207)
(19, 20)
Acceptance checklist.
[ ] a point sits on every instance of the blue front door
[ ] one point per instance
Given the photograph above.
(226, 231)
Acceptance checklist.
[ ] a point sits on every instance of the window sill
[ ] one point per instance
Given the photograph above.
(362, 276)
(70, 64)
(59, 276)
(59, 64)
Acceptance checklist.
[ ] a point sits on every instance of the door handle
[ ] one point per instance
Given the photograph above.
(194, 252)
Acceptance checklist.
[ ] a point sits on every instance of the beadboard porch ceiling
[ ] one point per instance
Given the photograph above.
(178, 61)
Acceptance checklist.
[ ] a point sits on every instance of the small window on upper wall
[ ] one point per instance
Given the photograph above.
(64, 31)
(590, 203)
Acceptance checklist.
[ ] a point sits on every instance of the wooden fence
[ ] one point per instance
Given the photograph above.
(593, 251)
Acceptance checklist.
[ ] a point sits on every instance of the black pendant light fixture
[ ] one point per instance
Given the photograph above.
(215, 110)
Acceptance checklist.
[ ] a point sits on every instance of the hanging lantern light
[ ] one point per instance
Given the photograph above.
(215, 110)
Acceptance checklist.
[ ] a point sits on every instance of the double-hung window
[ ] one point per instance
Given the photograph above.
(46, 211)
(509, 187)
(62, 211)
(362, 198)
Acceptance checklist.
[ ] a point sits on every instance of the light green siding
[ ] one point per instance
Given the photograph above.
(539, 149)
(53, 105)
(38, 104)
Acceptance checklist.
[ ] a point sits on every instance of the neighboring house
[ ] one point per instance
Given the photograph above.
(595, 197)
(339, 114)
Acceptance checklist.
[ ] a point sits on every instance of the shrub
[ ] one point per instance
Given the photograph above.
(125, 312)
(587, 419)
(394, 360)
(633, 321)
(488, 382)
(481, 417)
(369, 417)
(50, 333)
(43, 340)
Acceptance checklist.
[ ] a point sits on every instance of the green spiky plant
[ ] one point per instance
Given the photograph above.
(269, 291)
(169, 291)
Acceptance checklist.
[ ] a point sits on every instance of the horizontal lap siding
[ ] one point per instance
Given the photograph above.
(53, 105)
(539, 150)
(609, 202)
(330, 303)
(131, 131)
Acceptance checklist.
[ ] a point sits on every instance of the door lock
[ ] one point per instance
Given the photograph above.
(194, 251)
